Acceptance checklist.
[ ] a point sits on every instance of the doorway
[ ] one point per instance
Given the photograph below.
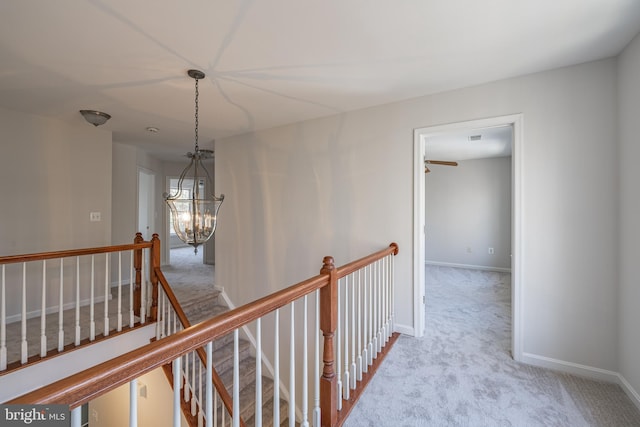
(146, 200)
(421, 136)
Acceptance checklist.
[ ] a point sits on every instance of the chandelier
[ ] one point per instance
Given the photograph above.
(194, 207)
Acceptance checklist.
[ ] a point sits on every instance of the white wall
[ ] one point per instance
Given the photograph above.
(53, 175)
(155, 404)
(342, 186)
(125, 194)
(629, 227)
(468, 210)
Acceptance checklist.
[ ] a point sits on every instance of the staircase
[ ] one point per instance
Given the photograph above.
(202, 306)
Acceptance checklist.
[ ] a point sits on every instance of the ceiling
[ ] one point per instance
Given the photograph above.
(496, 141)
(276, 62)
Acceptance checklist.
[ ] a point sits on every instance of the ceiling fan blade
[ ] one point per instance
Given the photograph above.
(441, 162)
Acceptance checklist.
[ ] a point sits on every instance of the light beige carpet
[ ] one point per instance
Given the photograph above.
(461, 372)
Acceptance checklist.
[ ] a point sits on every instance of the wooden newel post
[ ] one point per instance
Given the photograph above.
(137, 265)
(154, 261)
(328, 324)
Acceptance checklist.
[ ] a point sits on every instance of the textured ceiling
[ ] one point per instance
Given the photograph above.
(280, 61)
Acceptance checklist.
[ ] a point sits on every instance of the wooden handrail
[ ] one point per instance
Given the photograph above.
(217, 381)
(13, 259)
(356, 265)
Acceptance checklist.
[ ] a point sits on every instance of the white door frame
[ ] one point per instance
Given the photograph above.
(146, 202)
(419, 145)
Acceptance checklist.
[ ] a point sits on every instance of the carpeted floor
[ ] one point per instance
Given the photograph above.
(461, 372)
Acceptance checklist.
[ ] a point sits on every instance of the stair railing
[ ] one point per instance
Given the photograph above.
(74, 284)
(368, 284)
(172, 319)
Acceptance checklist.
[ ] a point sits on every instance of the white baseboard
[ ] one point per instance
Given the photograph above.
(66, 306)
(583, 371)
(470, 266)
(631, 392)
(51, 310)
(405, 329)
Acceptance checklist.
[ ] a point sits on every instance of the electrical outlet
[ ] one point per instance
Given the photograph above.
(94, 216)
(491, 251)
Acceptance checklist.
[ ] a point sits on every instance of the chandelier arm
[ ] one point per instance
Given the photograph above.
(181, 180)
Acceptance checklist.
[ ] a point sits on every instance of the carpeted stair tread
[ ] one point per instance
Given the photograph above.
(267, 414)
(223, 356)
(205, 312)
(203, 306)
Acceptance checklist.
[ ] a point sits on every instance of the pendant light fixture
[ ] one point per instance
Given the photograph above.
(194, 207)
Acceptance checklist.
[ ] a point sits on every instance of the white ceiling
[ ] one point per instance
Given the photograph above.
(482, 143)
(275, 62)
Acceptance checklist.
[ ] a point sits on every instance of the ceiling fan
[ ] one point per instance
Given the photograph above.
(437, 162)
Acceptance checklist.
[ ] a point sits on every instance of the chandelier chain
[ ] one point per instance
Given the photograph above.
(196, 131)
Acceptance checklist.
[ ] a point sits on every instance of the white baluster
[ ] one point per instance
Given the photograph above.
(292, 370)
(24, 348)
(305, 368)
(194, 397)
(338, 352)
(316, 374)
(92, 323)
(374, 285)
(76, 417)
(143, 288)
(236, 379)
(187, 383)
(201, 411)
(119, 291)
(77, 337)
(258, 411)
(371, 315)
(352, 373)
(359, 359)
(223, 411)
(176, 391)
(133, 403)
(163, 324)
(61, 308)
(276, 370)
(3, 324)
(380, 319)
(383, 306)
(209, 386)
(132, 320)
(43, 312)
(387, 294)
(106, 295)
(393, 294)
(346, 382)
(365, 322)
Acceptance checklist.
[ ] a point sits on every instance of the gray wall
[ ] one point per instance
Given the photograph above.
(629, 214)
(53, 175)
(343, 186)
(468, 210)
